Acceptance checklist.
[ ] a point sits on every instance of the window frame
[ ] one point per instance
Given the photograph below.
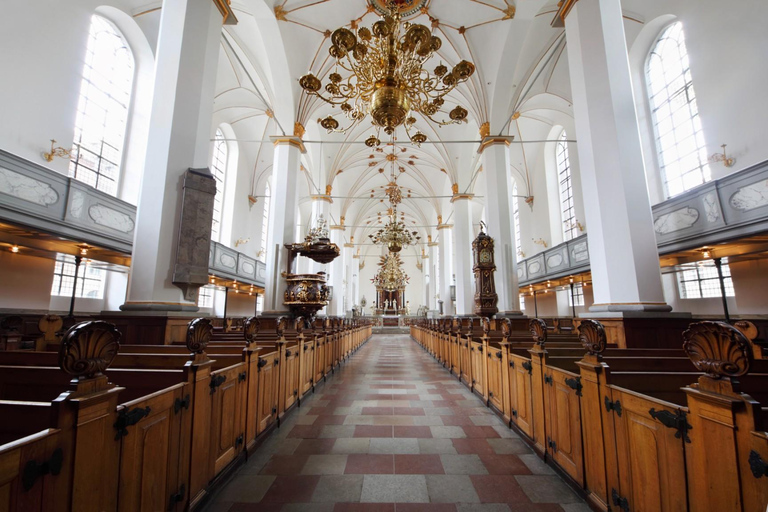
(62, 265)
(219, 171)
(87, 94)
(516, 221)
(703, 170)
(704, 292)
(565, 192)
(265, 222)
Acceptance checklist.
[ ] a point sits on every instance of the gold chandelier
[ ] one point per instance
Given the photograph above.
(386, 77)
(390, 276)
(394, 234)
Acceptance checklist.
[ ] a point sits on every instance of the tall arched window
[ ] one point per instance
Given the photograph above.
(516, 218)
(265, 223)
(219, 171)
(568, 216)
(102, 111)
(676, 123)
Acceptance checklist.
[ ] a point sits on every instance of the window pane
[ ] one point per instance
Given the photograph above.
(102, 111)
(219, 171)
(265, 224)
(570, 229)
(90, 280)
(700, 280)
(679, 140)
(516, 218)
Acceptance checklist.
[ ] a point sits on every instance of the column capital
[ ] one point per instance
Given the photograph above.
(321, 197)
(459, 197)
(432, 244)
(564, 7)
(444, 226)
(291, 141)
(226, 12)
(494, 141)
(351, 246)
(341, 228)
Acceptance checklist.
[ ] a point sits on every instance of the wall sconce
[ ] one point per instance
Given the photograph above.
(242, 241)
(83, 249)
(14, 249)
(56, 152)
(718, 157)
(706, 252)
(540, 241)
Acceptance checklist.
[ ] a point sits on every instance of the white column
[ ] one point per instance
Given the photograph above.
(433, 284)
(179, 139)
(336, 307)
(462, 236)
(349, 252)
(282, 218)
(444, 285)
(498, 212)
(622, 244)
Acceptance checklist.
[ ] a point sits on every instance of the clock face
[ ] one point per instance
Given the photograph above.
(485, 256)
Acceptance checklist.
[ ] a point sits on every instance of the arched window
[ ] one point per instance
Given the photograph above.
(676, 123)
(219, 171)
(516, 218)
(265, 223)
(102, 111)
(568, 216)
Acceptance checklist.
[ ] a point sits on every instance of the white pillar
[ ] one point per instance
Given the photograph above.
(462, 235)
(498, 212)
(282, 218)
(179, 139)
(622, 244)
(433, 284)
(336, 307)
(349, 252)
(444, 242)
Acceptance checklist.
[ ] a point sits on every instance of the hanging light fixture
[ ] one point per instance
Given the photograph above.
(385, 77)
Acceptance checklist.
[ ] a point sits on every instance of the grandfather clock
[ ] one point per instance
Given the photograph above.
(485, 286)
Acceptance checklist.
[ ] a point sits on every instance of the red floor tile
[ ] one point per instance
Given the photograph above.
(336, 419)
(285, 465)
(291, 489)
(409, 431)
(409, 411)
(378, 411)
(373, 431)
(418, 465)
(504, 465)
(314, 447)
(498, 489)
(305, 431)
(470, 446)
(534, 507)
(370, 464)
(480, 432)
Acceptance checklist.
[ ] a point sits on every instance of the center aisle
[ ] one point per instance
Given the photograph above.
(390, 431)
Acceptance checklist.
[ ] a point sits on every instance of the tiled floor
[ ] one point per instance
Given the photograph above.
(394, 431)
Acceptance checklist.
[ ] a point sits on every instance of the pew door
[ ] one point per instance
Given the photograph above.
(320, 346)
(495, 390)
(521, 394)
(651, 459)
(563, 421)
(47, 492)
(227, 409)
(455, 364)
(466, 362)
(476, 353)
(152, 449)
(267, 408)
(291, 369)
(307, 367)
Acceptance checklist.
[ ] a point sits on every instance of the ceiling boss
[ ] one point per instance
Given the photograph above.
(380, 72)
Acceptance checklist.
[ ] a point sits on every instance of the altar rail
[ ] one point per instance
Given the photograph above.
(153, 427)
(635, 429)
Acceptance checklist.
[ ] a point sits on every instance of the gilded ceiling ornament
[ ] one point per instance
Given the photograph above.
(380, 72)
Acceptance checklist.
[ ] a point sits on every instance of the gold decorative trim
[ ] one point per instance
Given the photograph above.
(351, 246)
(321, 197)
(432, 244)
(338, 227)
(444, 226)
(298, 130)
(493, 141)
(485, 129)
(226, 12)
(564, 7)
(291, 141)
(458, 197)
